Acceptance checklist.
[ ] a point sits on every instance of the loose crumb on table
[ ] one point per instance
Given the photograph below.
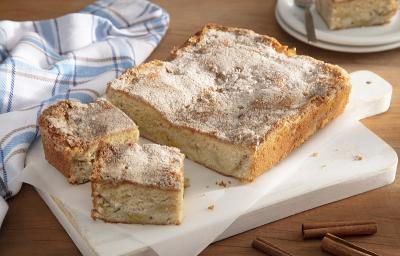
(315, 154)
(221, 183)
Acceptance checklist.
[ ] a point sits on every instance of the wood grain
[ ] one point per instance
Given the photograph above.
(30, 228)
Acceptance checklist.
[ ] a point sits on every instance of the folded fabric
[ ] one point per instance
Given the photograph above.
(70, 57)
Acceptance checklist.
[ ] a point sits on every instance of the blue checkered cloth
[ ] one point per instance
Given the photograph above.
(70, 57)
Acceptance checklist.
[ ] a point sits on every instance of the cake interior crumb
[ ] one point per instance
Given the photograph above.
(358, 157)
(210, 207)
(315, 154)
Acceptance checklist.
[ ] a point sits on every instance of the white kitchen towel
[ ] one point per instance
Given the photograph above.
(73, 56)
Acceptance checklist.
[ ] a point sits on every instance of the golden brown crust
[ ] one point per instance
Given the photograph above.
(287, 134)
(193, 40)
(61, 160)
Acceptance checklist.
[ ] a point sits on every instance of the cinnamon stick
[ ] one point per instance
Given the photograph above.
(268, 248)
(339, 247)
(338, 228)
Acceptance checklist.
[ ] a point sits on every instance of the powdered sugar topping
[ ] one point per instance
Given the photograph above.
(149, 164)
(81, 123)
(230, 85)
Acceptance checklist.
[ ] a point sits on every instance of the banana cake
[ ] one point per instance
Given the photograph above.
(232, 100)
(71, 132)
(138, 184)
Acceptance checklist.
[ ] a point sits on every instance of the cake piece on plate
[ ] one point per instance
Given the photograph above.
(233, 100)
(71, 132)
(138, 184)
(339, 14)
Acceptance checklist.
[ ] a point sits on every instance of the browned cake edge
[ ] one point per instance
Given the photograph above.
(61, 160)
(286, 135)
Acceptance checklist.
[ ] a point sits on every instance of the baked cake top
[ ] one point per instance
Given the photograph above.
(231, 83)
(150, 165)
(78, 124)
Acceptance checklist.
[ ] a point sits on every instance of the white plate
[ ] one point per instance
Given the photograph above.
(334, 47)
(365, 36)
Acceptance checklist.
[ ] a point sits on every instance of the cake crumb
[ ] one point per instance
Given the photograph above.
(186, 183)
(221, 183)
(315, 154)
(210, 207)
(358, 157)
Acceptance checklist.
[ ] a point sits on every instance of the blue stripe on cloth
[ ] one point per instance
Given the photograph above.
(3, 89)
(74, 72)
(153, 37)
(100, 31)
(113, 57)
(3, 36)
(115, 21)
(46, 31)
(144, 10)
(154, 8)
(48, 51)
(67, 67)
(11, 92)
(25, 137)
(96, 6)
(80, 96)
(133, 54)
(57, 32)
(90, 71)
(4, 192)
(53, 90)
(3, 169)
(3, 53)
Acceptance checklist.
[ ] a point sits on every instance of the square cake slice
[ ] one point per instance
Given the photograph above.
(138, 184)
(71, 132)
(233, 100)
(340, 14)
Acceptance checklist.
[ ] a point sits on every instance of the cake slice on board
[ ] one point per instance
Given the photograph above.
(71, 132)
(233, 100)
(138, 184)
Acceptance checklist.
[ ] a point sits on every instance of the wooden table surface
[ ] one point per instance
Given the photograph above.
(31, 229)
